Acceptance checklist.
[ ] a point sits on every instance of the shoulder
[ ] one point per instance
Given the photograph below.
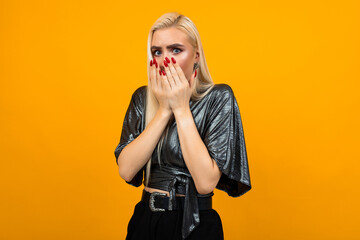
(222, 92)
(139, 95)
(140, 92)
(220, 106)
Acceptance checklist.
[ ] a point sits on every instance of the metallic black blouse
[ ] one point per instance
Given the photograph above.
(217, 118)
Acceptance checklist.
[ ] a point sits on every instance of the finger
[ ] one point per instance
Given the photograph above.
(165, 83)
(156, 81)
(169, 75)
(192, 78)
(175, 75)
(179, 71)
(158, 78)
(152, 73)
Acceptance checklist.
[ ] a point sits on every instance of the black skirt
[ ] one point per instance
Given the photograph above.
(148, 225)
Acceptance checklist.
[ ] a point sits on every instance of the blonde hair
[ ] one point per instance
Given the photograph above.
(203, 82)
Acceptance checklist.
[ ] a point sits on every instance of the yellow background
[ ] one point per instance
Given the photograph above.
(68, 69)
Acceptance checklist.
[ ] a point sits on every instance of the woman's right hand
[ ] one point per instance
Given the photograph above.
(158, 88)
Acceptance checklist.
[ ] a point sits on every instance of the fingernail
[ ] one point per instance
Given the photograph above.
(156, 65)
(173, 60)
(164, 72)
(195, 73)
(165, 63)
(160, 72)
(150, 63)
(167, 59)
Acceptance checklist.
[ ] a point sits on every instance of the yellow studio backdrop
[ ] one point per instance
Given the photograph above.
(68, 70)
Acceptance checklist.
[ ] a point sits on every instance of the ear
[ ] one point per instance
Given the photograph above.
(197, 56)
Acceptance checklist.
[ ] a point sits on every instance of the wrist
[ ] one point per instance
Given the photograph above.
(182, 112)
(166, 113)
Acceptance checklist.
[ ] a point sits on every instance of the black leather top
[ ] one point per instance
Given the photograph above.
(217, 118)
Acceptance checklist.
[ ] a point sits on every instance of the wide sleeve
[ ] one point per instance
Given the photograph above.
(132, 127)
(224, 138)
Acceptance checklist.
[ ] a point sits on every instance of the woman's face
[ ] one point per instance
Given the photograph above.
(172, 42)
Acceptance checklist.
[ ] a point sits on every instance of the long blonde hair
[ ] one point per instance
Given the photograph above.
(203, 82)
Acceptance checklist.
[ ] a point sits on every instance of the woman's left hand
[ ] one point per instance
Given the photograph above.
(179, 88)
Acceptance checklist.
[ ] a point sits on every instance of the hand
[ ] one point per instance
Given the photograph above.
(178, 88)
(158, 88)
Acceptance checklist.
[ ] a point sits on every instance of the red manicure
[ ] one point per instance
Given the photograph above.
(195, 73)
(164, 73)
(173, 60)
(165, 63)
(167, 59)
(160, 72)
(150, 63)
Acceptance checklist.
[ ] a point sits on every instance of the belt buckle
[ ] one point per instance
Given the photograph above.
(152, 201)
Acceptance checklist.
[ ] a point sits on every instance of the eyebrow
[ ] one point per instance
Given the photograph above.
(169, 46)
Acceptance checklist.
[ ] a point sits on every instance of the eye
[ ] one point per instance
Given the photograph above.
(154, 52)
(178, 49)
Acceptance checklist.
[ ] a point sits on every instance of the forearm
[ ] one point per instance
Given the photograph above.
(202, 167)
(136, 154)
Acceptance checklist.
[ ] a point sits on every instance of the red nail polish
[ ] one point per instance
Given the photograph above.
(160, 72)
(195, 73)
(150, 63)
(173, 60)
(165, 63)
(167, 59)
(164, 73)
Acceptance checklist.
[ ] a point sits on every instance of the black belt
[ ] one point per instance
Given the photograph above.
(158, 201)
(179, 181)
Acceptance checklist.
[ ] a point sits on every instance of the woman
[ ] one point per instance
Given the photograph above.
(184, 135)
